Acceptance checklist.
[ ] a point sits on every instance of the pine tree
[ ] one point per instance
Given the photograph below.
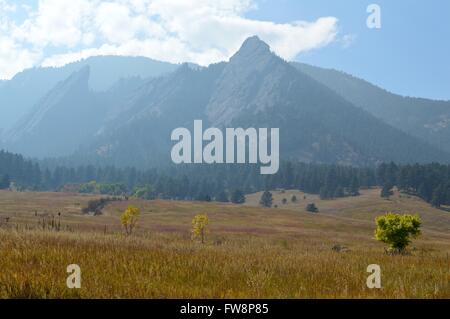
(339, 192)
(238, 197)
(324, 193)
(438, 197)
(386, 191)
(266, 199)
(222, 197)
(354, 186)
(5, 182)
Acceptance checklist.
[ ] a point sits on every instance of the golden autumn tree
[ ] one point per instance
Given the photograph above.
(130, 218)
(200, 227)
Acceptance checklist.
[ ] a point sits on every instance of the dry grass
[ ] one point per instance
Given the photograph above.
(251, 252)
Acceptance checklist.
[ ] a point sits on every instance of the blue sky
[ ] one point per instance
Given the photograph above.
(409, 55)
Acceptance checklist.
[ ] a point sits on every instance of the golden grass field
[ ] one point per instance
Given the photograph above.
(251, 252)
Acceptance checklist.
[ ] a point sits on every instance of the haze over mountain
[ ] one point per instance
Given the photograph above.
(21, 93)
(130, 124)
(426, 119)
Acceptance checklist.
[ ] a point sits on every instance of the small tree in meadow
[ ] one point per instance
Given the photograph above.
(200, 227)
(238, 197)
(387, 191)
(266, 199)
(294, 199)
(397, 230)
(130, 218)
(312, 208)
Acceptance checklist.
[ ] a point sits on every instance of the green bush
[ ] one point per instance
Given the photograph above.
(144, 192)
(312, 208)
(397, 230)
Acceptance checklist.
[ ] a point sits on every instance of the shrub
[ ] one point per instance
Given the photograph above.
(111, 189)
(312, 208)
(144, 192)
(93, 187)
(397, 230)
(95, 206)
(130, 218)
(199, 227)
(88, 188)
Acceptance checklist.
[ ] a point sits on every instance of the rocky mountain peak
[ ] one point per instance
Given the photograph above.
(252, 48)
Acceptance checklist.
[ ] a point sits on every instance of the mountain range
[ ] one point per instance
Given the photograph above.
(124, 115)
(27, 88)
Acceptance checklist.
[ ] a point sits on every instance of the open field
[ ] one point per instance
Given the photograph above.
(251, 252)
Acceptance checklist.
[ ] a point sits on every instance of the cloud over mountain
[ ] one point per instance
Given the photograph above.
(56, 32)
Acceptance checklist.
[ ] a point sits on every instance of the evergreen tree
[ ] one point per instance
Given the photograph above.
(339, 192)
(312, 208)
(354, 186)
(238, 197)
(438, 198)
(4, 182)
(222, 197)
(386, 191)
(324, 193)
(266, 199)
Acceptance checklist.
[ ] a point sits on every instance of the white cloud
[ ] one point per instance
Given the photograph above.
(6, 7)
(14, 58)
(200, 31)
(347, 40)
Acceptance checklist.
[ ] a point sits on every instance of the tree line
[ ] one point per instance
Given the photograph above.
(15, 168)
(431, 182)
(226, 182)
(211, 182)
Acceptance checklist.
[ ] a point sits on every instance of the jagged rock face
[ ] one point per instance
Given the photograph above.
(131, 123)
(246, 83)
(27, 88)
(53, 126)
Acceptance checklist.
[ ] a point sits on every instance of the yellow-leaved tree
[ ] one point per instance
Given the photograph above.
(130, 218)
(397, 230)
(200, 227)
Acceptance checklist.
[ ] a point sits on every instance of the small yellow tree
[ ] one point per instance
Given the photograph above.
(199, 227)
(130, 218)
(397, 230)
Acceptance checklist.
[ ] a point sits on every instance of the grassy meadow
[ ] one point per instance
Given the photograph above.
(250, 252)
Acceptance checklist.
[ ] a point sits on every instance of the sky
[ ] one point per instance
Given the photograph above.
(409, 54)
